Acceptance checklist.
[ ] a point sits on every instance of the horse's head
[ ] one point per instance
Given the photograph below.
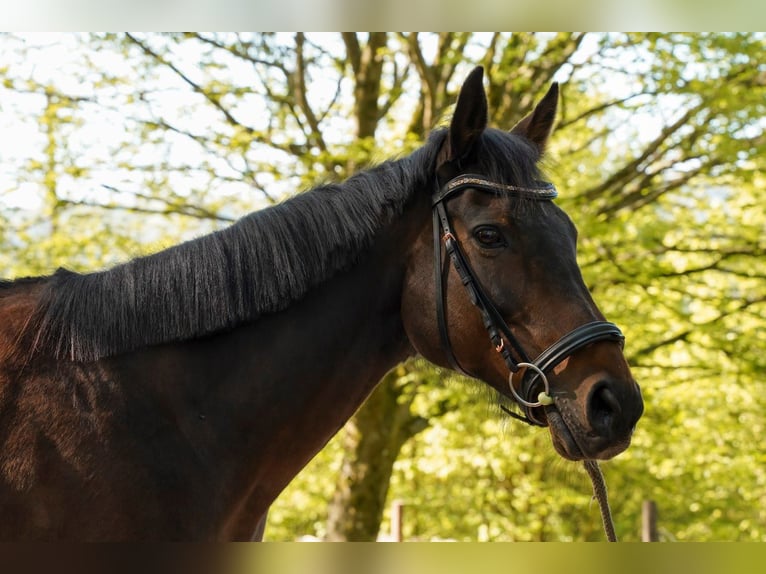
(493, 288)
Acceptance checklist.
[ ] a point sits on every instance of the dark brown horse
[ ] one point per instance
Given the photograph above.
(175, 396)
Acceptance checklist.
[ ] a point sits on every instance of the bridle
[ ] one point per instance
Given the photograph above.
(500, 334)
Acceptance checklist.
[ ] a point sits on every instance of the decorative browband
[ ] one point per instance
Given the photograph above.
(543, 191)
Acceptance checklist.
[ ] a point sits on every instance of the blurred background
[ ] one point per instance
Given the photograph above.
(116, 145)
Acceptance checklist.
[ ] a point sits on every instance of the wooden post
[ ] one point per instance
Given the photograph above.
(649, 522)
(397, 507)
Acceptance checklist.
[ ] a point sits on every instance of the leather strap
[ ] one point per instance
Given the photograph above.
(497, 328)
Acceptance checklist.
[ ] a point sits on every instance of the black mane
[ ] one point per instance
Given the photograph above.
(259, 265)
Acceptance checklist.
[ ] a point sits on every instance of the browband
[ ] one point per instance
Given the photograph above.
(542, 190)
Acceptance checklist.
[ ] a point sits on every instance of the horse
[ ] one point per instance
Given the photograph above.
(174, 396)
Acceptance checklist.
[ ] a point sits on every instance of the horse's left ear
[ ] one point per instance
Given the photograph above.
(536, 127)
(470, 117)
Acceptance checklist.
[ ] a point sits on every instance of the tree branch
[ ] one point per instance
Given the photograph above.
(187, 210)
(629, 171)
(196, 87)
(299, 91)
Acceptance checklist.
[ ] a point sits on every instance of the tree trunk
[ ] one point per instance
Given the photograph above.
(371, 443)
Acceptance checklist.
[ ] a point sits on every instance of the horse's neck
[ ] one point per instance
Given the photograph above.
(265, 398)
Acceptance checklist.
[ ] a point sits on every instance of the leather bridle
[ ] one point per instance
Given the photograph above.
(500, 334)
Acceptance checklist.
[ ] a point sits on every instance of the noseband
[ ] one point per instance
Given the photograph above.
(500, 334)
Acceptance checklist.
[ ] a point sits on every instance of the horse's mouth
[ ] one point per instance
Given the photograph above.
(563, 440)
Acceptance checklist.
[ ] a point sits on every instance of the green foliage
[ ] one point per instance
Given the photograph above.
(658, 158)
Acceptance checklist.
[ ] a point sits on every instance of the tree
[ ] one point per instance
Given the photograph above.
(657, 156)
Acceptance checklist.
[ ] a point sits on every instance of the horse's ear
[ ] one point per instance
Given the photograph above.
(536, 127)
(470, 117)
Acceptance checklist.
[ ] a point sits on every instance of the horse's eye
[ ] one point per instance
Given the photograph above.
(489, 236)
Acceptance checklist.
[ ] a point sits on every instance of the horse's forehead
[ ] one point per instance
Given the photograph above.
(548, 226)
(540, 217)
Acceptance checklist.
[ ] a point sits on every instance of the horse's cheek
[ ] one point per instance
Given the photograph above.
(419, 314)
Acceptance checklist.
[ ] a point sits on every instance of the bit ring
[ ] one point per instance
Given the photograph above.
(544, 398)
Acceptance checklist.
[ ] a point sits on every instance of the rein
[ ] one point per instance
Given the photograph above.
(500, 335)
(600, 494)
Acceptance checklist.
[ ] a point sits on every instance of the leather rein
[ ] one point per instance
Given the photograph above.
(500, 334)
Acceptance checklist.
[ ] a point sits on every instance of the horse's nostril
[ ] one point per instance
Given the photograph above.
(602, 408)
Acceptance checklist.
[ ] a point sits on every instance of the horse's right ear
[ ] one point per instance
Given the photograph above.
(537, 126)
(470, 117)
